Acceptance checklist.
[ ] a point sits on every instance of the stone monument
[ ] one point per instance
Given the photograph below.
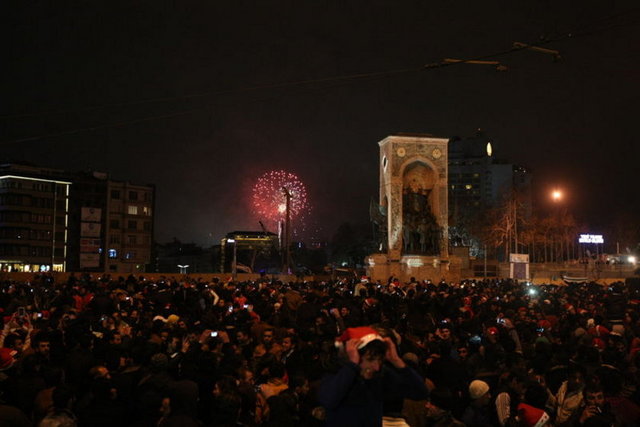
(412, 212)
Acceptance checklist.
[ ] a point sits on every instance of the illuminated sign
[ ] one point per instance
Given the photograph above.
(590, 238)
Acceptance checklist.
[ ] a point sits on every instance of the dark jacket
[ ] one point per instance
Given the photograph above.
(350, 400)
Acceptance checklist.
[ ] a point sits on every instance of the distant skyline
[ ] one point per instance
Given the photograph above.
(202, 98)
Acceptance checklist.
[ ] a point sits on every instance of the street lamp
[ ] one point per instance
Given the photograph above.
(183, 268)
(557, 196)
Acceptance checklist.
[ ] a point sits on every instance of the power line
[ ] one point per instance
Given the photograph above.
(214, 93)
(301, 83)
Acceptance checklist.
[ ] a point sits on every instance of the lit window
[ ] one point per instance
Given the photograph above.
(468, 186)
(132, 210)
(113, 253)
(146, 210)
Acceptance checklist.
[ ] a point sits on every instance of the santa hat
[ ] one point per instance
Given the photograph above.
(7, 358)
(493, 330)
(599, 344)
(363, 333)
(369, 302)
(364, 279)
(545, 324)
(531, 416)
(599, 331)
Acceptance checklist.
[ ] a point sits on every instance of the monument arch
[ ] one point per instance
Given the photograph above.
(413, 197)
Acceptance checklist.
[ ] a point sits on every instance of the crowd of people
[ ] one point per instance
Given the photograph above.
(136, 351)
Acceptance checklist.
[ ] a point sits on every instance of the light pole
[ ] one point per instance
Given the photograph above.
(234, 263)
(557, 195)
(515, 225)
(485, 261)
(287, 231)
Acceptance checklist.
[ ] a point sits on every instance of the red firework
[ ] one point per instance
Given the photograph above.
(269, 199)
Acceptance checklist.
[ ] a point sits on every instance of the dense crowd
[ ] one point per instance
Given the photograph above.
(115, 351)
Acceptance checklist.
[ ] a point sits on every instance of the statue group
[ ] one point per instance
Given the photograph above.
(421, 233)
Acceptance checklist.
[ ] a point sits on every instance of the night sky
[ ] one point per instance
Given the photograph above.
(201, 98)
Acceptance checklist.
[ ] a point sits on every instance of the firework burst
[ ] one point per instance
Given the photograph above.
(269, 201)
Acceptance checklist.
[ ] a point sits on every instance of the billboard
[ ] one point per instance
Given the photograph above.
(591, 238)
(90, 246)
(89, 260)
(519, 257)
(91, 214)
(89, 229)
(519, 266)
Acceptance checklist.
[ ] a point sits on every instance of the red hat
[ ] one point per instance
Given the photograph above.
(364, 279)
(543, 323)
(7, 358)
(599, 331)
(599, 344)
(531, 416)
(363, 333)
(493, 330)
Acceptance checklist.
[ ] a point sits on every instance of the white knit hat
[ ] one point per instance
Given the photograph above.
(477, 389)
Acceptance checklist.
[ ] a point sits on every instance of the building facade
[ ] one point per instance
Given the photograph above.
(129, 227)
(52, 220)
(477, 178)
(34, 219)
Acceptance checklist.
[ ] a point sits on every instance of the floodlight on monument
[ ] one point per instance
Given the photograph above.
(556, 195)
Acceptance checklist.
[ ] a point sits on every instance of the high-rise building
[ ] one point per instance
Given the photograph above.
(34, 218)
(63, 221)
(129, 227)
(478, 180)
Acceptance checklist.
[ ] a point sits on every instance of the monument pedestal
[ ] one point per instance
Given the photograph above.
(421, 267)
